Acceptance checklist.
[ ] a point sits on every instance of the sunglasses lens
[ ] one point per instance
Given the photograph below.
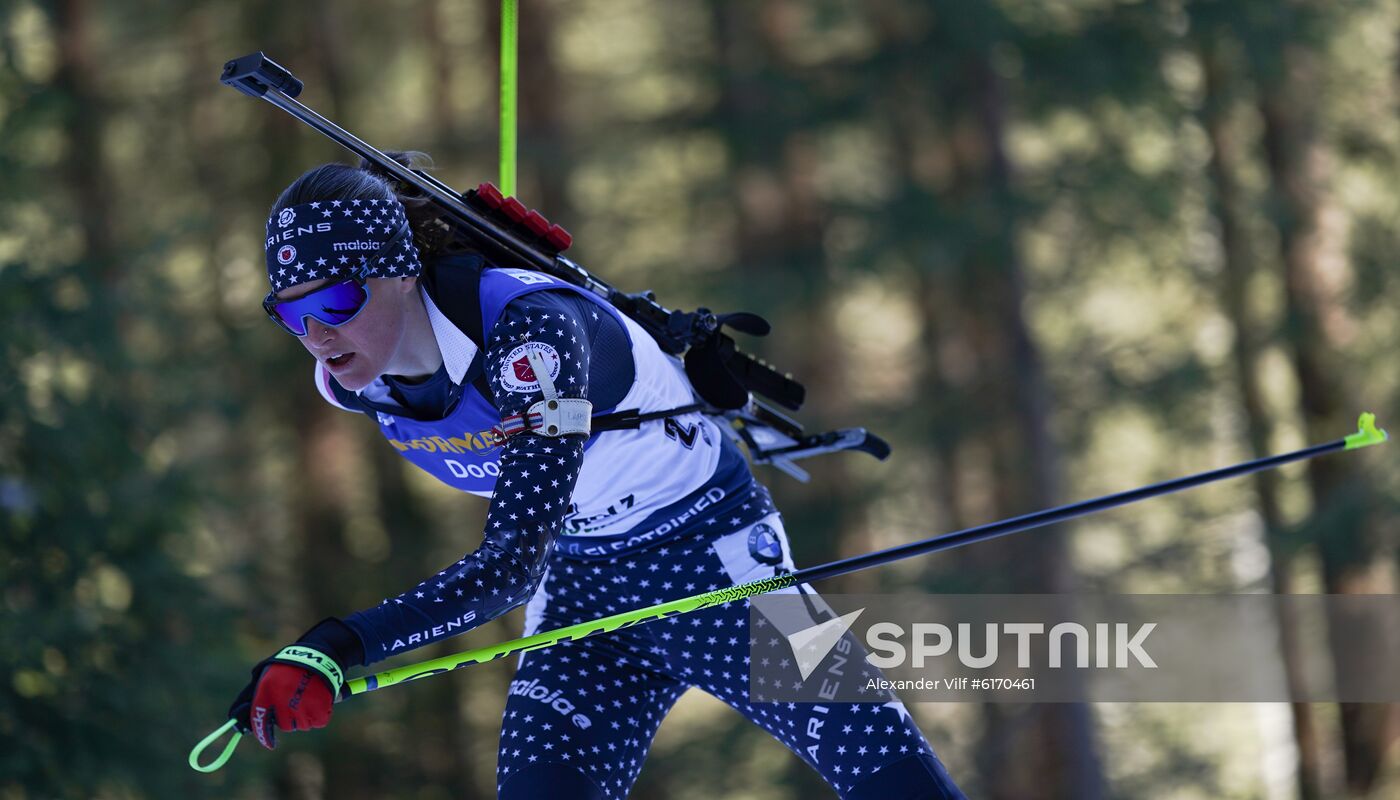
(290, 321)
(332, 305)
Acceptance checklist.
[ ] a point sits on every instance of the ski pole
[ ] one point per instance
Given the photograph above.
(1367, 434)
(509, 38)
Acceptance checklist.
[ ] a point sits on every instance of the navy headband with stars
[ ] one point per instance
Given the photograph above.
(333, 238)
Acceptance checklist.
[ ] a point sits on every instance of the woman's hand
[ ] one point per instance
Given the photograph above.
(295, 689)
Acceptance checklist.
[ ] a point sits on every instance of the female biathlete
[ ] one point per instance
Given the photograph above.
(502, 382)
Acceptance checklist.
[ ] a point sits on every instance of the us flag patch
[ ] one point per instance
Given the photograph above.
(516, 372)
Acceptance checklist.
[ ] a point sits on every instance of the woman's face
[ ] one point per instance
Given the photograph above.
(362, 349)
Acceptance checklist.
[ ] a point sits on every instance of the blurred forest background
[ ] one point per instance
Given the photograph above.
(1050, 248)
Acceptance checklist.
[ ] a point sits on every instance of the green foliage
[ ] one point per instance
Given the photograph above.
(975, 225)
(112, 651)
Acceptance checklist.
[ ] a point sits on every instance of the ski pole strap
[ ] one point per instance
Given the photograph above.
(210, 739)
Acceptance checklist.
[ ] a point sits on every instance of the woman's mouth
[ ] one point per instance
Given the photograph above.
(339, 361)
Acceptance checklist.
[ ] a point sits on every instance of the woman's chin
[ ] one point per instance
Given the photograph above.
(355, 378)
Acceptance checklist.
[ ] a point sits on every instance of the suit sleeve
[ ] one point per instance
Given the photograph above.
(531, 498)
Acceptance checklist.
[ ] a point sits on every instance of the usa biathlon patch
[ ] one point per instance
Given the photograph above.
(516, 373)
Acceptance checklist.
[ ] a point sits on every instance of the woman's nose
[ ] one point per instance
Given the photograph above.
(318, 332)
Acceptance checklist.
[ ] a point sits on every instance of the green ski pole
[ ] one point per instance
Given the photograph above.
(1367, 434)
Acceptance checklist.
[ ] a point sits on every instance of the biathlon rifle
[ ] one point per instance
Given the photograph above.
(509, 233)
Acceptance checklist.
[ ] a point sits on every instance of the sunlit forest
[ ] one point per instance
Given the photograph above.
(1049, 249)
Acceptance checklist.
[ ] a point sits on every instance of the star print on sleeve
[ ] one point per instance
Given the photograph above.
(538, 473)
(532, 495)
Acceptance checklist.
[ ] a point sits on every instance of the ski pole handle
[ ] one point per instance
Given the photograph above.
(210, 739)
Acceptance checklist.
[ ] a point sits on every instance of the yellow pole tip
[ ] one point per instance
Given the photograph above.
(1367, 433)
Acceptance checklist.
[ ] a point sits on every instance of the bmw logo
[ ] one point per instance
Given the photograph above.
(764, 544)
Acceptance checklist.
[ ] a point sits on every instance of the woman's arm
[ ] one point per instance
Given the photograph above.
(537, 477)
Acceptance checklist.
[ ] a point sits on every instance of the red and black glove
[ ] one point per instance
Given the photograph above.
(294, 689)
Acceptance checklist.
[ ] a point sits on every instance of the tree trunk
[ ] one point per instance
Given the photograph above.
(780, 228)
(1314, 265)
(1236, 267)
(1049, 748)
(1024, 751)
(87, 175)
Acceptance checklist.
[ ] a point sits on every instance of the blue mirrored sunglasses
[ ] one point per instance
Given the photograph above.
(333, 304)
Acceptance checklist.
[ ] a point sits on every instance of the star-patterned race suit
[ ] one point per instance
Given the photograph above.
(585, 527)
